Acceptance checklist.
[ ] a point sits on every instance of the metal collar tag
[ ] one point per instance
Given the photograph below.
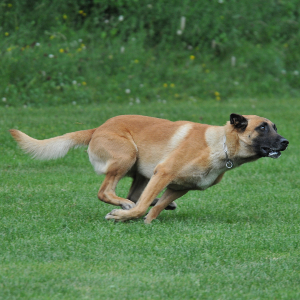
(229, 162)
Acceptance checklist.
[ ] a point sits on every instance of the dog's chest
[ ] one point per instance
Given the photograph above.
(207, 179)
(197, 179)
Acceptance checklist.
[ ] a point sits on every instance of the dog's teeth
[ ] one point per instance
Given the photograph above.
(274, 154)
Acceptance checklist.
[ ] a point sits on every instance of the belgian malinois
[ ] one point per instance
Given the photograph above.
(179, 156)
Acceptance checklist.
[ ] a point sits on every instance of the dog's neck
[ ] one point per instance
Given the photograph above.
(234, 144)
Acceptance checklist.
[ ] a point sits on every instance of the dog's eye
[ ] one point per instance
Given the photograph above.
(262, 127)
(275, 128)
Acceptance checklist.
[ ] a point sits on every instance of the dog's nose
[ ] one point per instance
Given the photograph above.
(284, 142)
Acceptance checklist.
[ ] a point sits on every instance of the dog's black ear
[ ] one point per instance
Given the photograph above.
(238, 121)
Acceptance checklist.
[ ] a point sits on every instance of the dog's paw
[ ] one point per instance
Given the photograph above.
(112, 215)
(127, 206)
(171, 206)
(119, 215)
(147, 220)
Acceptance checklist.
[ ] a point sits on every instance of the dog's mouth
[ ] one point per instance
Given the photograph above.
(269, 152)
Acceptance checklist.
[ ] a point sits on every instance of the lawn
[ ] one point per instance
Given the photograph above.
(236, 240)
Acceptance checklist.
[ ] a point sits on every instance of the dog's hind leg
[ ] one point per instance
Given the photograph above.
(113, 156)
(137, 187)
(107, 192)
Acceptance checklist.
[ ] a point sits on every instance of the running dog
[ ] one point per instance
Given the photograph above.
(159, 154)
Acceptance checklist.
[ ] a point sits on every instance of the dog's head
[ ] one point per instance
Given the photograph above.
(259, 134)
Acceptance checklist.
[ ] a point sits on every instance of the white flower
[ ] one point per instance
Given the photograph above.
(190, 47)
(283, 72)
(296, 73)
(182, 23)
(141, 85)
(149, 6)
(74, 102)
(121, 18)
(4, 99)
(233, 61)
(122, 49)
(80, 40)
(25, 106)
(179, 32)
(164, 101)
(51, 55)
(213, 44)
(137, 100)
(74, 82)
(74, 44)
(127, 91)
(221, 1)
(106, 21)
(37, 44)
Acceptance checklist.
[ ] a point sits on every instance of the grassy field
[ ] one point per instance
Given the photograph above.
(237, 240)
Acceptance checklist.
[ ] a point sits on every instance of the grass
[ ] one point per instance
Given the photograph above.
(82, 70)
(237, 240)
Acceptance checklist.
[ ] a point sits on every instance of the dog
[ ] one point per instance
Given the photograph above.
(159, 154)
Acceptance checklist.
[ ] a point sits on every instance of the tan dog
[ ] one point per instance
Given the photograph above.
(179, 156)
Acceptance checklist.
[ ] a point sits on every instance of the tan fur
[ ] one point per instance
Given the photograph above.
(157, 153)
(54, 147)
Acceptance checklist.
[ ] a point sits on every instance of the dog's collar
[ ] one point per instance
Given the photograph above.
(229, 162)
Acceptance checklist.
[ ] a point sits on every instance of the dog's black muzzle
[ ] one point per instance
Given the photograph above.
(275, 151)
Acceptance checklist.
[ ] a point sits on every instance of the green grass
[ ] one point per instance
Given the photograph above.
(80, 69)
(237, 240)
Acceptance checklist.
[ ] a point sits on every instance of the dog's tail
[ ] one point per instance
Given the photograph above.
(52, 148)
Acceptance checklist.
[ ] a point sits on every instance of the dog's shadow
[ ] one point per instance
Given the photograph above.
(207, 217)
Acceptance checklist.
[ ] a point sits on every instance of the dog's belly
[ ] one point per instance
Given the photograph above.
(146, 169)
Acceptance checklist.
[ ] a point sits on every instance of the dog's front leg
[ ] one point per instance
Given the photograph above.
(137, 187)
(168, 197)
(161, 178)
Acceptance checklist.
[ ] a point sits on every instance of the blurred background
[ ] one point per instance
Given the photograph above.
(99, 51)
